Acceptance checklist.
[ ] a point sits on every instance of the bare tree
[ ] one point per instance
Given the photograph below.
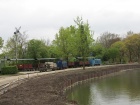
(107, 39)
(16, 45)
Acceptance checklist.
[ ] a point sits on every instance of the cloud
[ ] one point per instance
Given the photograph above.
(43, 18)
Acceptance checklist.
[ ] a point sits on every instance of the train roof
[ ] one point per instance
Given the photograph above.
(85, 57)
(29, 59)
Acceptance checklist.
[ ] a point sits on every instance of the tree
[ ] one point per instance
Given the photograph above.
(130, 33)
(121, 48)
(107, 39)
(53, 51)
(1, 42)
(16, 45)
(132, 44)
(84, 38)
(106, 55)
(64, 41)
(113, 53)
(37, 49)
(97, 50)
(74, 40)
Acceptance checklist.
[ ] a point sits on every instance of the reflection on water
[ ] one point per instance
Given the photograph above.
(122, 89)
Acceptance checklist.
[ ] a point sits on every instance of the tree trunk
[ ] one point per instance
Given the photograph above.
(84, 63)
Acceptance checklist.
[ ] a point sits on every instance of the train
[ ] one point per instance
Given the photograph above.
(46, 64)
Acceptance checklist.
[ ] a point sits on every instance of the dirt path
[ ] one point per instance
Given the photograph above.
(4, 79)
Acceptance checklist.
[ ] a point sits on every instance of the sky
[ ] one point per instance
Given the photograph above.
(42, 19)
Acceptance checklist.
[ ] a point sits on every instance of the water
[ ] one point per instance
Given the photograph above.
(122, 89)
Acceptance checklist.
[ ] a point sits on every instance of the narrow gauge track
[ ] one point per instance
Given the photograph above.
(5, 87)
(16, 80)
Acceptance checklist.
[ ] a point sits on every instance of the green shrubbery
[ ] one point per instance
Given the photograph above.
(9, 70)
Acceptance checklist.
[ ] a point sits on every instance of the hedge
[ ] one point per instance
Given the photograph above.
(9, 70)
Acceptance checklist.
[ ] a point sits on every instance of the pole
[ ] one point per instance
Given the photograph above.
(16, 48)
(16, 34)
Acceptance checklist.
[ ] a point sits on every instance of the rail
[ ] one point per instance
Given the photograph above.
(7, 86)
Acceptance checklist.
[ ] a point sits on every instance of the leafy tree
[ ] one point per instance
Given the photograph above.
(53, 51)
(64, 41)
(121, 48)
(74, 40)
(84, 38)
(106, 55)
(37, 49)
(1, 42)
(132, 44)
(130, 33)
(97, 50)
(113, 53)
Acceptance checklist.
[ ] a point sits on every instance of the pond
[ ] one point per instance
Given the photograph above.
(118, 89)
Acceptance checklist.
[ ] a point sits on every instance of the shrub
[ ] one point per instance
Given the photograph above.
(9, 70)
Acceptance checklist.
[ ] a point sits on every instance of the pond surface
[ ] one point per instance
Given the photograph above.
(117, 89)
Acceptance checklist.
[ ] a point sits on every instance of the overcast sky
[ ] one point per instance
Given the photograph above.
(41, 19)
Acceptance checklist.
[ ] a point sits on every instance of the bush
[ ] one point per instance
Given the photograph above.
(9, 70)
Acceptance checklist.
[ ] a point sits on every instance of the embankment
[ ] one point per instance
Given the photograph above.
(49, 89)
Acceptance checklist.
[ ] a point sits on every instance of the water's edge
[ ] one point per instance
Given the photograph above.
(100, 72)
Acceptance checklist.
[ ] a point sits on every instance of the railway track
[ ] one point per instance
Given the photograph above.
(7, 86)
(22, 78)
